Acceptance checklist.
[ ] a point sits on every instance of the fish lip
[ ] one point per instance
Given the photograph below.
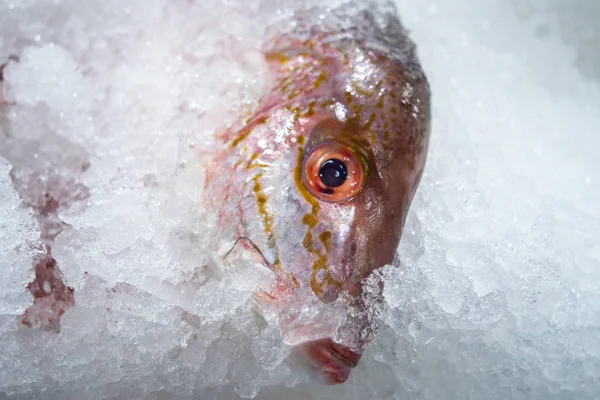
(334, 361)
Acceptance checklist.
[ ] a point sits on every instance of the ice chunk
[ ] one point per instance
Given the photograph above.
(19, 243)
(105, 109)
(47, 74)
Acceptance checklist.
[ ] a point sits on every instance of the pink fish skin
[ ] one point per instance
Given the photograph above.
(317, 183)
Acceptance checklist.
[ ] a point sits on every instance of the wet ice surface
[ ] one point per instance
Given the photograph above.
(498, 292)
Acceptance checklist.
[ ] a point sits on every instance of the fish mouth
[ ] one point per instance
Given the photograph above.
(331, 360)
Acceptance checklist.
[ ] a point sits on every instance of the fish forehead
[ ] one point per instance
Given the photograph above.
(362, 74)
(365, 74)
(377, 111)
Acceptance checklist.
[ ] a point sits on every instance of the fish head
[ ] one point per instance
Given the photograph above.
(318, 182)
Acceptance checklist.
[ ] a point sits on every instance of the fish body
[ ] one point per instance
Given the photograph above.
(317, 183)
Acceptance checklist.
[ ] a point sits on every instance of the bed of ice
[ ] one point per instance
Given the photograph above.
(105, 112)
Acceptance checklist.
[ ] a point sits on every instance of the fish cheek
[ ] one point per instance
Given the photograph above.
(380, 220)
(362, 251)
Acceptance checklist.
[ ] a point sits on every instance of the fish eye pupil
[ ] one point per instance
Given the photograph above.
(333, 173)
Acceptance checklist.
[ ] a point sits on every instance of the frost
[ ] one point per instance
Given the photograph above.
(106, 112)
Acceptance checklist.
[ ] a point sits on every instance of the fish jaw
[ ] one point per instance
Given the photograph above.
(312, 346)
(326, 339)
(330, 361)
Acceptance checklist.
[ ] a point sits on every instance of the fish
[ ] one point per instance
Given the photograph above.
(316, 183)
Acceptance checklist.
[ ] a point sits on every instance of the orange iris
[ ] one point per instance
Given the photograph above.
(333, 172)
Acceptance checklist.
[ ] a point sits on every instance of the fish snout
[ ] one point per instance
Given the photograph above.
(331, 360)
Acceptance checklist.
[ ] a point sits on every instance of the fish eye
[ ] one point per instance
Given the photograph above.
(333, 172)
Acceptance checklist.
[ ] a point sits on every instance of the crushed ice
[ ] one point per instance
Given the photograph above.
(105, 108)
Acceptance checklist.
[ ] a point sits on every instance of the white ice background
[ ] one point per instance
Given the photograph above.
(498, 291)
